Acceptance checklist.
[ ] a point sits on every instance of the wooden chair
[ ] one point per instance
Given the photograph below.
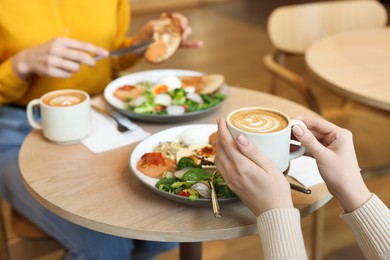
(29, 240)
(292, 29)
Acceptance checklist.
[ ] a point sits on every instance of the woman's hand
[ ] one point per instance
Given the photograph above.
(333, 149)
(58, 58)
(187, 32)
(146, 32)
(250, 174)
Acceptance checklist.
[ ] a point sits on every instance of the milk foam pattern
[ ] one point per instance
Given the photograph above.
(258, 123)
(64, 99)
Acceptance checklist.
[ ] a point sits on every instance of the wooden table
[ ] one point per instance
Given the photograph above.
(355, 64)
(98, 191)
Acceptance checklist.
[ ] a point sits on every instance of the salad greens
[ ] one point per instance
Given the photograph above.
(196, 174)
(185, 162)
(162, 102)
(188, 185)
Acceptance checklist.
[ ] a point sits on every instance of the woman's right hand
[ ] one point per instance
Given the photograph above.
(333, 149)
(58, 58)
(249, 173)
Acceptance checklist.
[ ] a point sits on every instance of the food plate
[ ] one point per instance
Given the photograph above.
(147, 145)
(153, 76)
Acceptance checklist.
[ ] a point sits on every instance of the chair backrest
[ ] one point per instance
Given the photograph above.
(294, 28)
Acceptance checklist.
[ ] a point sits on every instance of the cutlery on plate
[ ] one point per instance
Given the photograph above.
(214, 199)
(300, 188)
(121, 127)
(134, 49)
(208, 163)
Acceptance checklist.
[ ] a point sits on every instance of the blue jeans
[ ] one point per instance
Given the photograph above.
(79, 242)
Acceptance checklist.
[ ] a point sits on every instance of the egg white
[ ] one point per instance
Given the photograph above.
(195, 137)
(172, 82)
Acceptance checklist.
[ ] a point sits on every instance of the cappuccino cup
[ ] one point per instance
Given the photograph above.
(269, 130)
(65, 115)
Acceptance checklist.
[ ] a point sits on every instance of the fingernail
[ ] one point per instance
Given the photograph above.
(297, 130)
(243, 140)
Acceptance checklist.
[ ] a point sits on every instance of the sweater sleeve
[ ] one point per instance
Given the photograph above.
(281, 234)
(11, 87)
(122, 40)
(371, 226)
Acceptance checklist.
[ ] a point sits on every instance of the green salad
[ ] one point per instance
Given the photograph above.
(160, 100)
(192, 181)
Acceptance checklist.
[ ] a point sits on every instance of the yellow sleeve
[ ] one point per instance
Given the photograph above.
(124, 19)
(12, 88)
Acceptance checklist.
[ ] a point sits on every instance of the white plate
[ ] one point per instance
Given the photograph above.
(147, 145)
(152, 76)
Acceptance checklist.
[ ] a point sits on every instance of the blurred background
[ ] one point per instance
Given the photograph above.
(235, 37)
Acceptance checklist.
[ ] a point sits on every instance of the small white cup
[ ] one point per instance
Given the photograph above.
(276, 143)
(65, 115)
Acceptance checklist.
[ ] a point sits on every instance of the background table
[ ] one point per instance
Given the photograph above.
(98, 191)
(355, 64)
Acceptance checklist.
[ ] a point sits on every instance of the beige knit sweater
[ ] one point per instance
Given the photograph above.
(281, 234)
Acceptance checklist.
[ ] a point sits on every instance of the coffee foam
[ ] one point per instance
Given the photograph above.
(259, 121)
(64, 99)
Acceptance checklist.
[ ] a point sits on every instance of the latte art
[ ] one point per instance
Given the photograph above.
(258, 121)
(64, 99)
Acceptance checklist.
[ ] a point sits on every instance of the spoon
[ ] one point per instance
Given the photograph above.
(214, 199)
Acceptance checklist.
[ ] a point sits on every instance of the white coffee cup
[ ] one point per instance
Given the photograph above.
(269, 130)
(65, 115)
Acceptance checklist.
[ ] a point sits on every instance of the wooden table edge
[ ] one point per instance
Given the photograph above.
(227, 233)
(348, 94)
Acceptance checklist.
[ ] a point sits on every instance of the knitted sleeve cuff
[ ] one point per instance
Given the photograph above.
(281, 234)
(370, 224)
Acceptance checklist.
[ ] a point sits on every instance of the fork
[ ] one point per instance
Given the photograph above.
(299, 188)
(121, 128)
(214, 199)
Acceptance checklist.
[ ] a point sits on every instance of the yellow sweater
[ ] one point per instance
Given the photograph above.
(24, 24)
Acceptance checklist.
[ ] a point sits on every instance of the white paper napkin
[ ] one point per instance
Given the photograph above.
(104, 135)
(304, 169)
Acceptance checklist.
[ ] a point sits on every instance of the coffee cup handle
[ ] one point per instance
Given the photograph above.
(30, 114)
(302, 149)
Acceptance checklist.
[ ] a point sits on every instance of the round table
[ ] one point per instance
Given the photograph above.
(98, 191)
(355, 64)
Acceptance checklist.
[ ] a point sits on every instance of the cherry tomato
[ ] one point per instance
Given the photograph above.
(183, 193)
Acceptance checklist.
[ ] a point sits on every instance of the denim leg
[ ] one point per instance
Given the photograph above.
(146, 250)
(80, 243)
